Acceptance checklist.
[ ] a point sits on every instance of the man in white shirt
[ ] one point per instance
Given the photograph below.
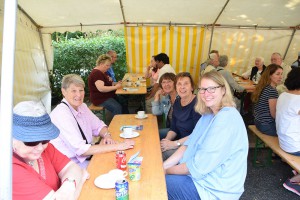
(163, 64)
(276, 58)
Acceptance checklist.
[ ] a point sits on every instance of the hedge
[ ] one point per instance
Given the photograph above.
(78, 56)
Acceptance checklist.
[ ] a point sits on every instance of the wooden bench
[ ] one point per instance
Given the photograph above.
(98, 109)
(273, 143)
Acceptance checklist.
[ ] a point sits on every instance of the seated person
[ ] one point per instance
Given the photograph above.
(102, 89)
(110, 71)
(78, 125)
(152, 72)
(184, 117)
(164, 100)
(265, 97)
(255, 72)
(288, 122)
(40, 171)
(234, 86)
(213, 63)
(212, 163)
(207, 62)
(297, 62)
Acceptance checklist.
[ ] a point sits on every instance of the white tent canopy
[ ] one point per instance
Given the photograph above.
(68, 13)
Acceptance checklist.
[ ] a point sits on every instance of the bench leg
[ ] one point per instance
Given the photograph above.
(259, 144)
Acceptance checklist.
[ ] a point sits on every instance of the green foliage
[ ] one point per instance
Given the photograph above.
(78, 56)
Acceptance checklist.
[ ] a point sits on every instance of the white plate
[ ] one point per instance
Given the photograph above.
(105, 181)
(136, 116)
(133, 135)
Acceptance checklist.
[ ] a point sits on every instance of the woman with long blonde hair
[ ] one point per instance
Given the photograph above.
(212, 162)
(265, 98)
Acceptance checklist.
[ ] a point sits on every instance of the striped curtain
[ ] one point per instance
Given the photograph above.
(183, 45)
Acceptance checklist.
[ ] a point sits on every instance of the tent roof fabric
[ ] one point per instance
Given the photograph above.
(268, 13)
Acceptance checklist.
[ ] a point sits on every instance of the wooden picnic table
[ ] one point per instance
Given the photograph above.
(152, 184)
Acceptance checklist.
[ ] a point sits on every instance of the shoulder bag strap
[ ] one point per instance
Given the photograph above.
(82, 134)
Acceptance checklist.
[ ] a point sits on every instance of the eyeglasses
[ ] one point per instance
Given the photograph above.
(32, 144)
(209, 89)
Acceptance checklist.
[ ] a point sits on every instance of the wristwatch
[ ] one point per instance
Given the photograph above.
(70, 180)
(178, 143)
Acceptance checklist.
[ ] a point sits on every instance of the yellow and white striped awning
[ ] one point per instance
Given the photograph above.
(183, 45)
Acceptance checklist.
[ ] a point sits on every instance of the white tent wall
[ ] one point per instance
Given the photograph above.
(31, 74)
(242, 46)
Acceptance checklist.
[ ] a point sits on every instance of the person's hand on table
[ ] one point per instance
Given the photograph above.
(107, 140)
(166, 144)
(126, 144)
(118, 84)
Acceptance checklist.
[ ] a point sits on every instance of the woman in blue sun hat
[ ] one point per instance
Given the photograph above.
(39, 170)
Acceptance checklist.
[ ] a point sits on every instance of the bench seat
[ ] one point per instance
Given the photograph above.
(273, 143)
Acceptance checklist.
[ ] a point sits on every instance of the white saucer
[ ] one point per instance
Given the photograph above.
(145, 116)
(133, 135)
(105, 181)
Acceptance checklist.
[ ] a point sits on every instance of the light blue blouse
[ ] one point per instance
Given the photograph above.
(216, 155)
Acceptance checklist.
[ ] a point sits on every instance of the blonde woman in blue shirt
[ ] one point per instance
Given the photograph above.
(212, 163)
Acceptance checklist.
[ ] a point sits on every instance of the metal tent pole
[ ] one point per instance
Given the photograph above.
(6, 98)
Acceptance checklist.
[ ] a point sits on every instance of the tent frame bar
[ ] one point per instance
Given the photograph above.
(128, 24)
(213, 26)
(289, 44)
(123, 13)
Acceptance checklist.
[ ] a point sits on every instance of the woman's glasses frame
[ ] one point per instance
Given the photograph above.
(209, 89)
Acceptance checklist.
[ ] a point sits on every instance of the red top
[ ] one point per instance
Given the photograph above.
(28, 184)
(96, 96)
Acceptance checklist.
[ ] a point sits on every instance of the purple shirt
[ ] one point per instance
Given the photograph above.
(70, 141)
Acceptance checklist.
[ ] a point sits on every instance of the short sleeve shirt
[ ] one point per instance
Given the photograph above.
(261, 108)
(28, 184)
(96, 96)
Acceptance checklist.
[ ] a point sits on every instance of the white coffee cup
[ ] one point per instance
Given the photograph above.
(141, 114)
(128, 84)
(127, 131)
(117, 174)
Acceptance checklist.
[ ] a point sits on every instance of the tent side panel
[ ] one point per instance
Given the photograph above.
(31, 81)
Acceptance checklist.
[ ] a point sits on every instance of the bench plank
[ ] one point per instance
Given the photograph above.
(273, 143)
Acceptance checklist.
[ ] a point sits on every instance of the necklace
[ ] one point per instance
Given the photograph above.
(31, 163)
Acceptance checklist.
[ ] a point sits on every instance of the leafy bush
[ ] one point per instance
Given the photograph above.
(78, 56)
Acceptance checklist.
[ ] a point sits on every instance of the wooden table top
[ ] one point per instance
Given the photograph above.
(244, 82)
(152, 184)
(133, 89)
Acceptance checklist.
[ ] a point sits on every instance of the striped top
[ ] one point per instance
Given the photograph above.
(261, 108)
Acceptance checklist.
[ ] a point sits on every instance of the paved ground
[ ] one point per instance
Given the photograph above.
(265, 183)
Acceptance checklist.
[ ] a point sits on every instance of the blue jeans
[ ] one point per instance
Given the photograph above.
(181, 187)
(269, 129)
(295, 153)
(113, 106)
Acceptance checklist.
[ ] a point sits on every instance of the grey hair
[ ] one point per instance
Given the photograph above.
(30, 109)
(72, 79)
(261, 59)
(223, 59)
(276, 53)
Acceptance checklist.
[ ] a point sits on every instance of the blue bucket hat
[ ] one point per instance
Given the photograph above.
(32, 129)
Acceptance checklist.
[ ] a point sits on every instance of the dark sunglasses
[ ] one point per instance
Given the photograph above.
(32, 144)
